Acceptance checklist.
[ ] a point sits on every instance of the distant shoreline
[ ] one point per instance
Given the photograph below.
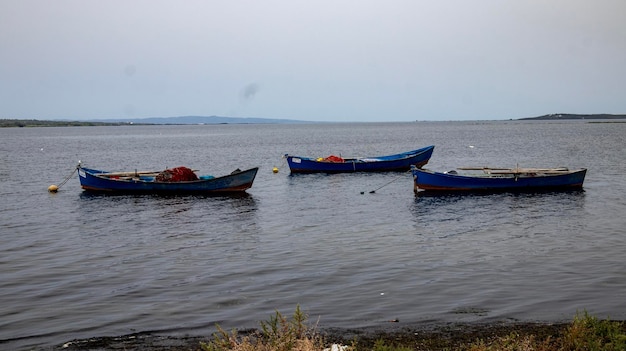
(566, 116)
(215, 120)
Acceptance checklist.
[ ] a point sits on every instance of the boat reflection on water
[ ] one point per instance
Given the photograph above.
(202, 212)
(507, 211)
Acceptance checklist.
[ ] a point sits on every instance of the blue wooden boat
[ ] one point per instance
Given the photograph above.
(162, 182)
(334, 164)
(499, 179)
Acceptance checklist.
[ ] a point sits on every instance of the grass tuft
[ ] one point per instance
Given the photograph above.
(279, 333)
(586, 333)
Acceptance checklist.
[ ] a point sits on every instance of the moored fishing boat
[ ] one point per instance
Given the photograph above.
(180, 180)
(498, 179)
(336, 164)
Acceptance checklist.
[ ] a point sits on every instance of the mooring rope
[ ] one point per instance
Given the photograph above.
(68, 177)
(393, 180)
(53, 188)
(284, 160)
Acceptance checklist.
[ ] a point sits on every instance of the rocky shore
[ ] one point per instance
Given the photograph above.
(432, 338)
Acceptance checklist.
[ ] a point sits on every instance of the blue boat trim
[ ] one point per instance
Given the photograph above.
(94, 180)
(499, 179)
(389, 163)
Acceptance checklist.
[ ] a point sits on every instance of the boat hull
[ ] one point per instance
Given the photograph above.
(389, 163)
(93, 180)
(434, 181)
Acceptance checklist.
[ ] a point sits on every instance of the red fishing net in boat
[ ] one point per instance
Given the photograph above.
(333, 158)
(178, 174)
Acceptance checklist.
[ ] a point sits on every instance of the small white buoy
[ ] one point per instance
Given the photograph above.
(471, 146)
(53, 188)
(275, 169)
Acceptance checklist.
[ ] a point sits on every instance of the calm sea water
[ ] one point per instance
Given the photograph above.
(74, 265)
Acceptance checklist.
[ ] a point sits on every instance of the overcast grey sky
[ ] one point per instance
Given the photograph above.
(321, 60)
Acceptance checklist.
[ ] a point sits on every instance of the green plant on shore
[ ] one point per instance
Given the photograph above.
(381, 345)
(585, 333)
(514, 342)
(590, 333)
(277, 334)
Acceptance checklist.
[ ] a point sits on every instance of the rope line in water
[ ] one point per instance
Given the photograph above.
(373, 191)
(53, 188)
(284, 161)
(68, 177)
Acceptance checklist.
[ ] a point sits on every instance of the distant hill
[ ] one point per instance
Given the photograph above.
(202, 120)
(556, 116)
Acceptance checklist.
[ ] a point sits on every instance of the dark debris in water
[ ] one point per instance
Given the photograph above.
(134, 342)
(471, 310)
